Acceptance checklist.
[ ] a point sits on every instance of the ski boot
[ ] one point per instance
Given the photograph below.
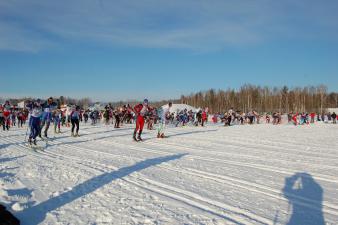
(139, 136)
(30, 141)
(72, 134)
(134, 136)
(158, 135)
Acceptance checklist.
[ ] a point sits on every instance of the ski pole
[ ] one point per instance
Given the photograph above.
(27, 129)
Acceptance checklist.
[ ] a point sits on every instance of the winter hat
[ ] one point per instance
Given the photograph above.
(145, 101)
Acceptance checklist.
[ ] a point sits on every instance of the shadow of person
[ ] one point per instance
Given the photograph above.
(305, 196)
(4, 160)
(36, 214)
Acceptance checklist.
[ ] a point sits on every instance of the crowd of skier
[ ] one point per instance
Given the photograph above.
(42, 114)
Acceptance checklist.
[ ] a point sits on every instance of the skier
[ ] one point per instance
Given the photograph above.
(151, 118)
(85, 116)
(7, 115)
(290, 117)
(140, 111)
(57, 121)
(312, 116)
(334, 117)
(2, 118)
(256, 116)
(68, 111)
(242, 118)
(204, 117)
(75, 120)
(13, 117)
(128, 114)
(267, 118)
(229, 118)
(48, 108)
(117, 115)
(197, 118)
(294, 119)
(215, 118)
(329, 117)
(251, 117)
(106, 114)
(20, 117)
(165, 117)
(35, 111)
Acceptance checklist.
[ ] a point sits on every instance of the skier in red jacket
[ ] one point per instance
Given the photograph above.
(204, 117)
(140, 111)
(294, 119)
(312, 115)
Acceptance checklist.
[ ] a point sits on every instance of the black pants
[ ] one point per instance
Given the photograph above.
(75, 122)
(5, 123)
(20, 122)
(43, 123)
(117, 121)
(251, 119)
(2, 122)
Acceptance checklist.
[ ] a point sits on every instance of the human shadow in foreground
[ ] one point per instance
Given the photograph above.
(305, 196)
(36, 214)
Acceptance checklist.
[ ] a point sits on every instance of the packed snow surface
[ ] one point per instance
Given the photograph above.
(259, 174)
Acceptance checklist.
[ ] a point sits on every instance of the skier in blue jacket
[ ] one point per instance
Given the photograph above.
(35, 111)
(75, 120)
(48, 108)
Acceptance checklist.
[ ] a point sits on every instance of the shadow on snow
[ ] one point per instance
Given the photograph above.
(36, 214)
(305, 197)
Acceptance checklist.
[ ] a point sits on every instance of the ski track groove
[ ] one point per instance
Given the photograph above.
(284, 171)
(240, 155)
(205, 175)
(237, 141)
(237, 135)
(186, 197)
(255, 186)
(276, 145)
(329, 208)
(40, 154)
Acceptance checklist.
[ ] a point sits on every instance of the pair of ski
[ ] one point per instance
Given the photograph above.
(35, 146)
(138, 140)
(142, 140)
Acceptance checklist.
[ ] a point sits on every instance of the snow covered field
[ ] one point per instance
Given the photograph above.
(260, 174)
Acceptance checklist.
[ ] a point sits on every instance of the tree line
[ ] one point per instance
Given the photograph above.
(265, 99)
(248, 97)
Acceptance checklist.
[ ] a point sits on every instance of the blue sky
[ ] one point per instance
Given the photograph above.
(119, 50)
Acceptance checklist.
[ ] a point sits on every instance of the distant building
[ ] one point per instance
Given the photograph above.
(21, 105)
(97, 106)
(176, 108)
(331, 110)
